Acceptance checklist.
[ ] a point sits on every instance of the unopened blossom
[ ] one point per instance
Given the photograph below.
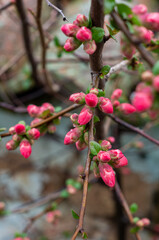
(81, 20)
(147, 76)
(144, 34)
(116, 103)
(71, 44)
(105, 145)
(20, 129)
(103, 156)
(94, 91)
(11, 145)
(85, 116)
(107, 174)
(77, 97)
(80, 145)
(84, 34)
(12, 130)
(139, 9)
(51, 128)
(49, 107)
(25, 148)
(72, 136)
(71, 189)
(127, 108)
(91, 100)
(143, 222)
(116, 154)
(17, 138)
(141, 101)
(152, 21)
(105, 105)
(156, 83)
(52, 215)
(74, 118)
(33, 110)
(33, 133)
(116, 94)
(111, 139)
(35, 121)
(70, 29)
(90, 47)
(121, 162)
(127, 48)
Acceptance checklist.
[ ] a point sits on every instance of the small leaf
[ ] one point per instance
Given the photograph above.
(136, 219)
(89, 21)
(96, 119)
(77, 185)
(94, 147)
(135, 20)
(105, 70)
(130, 27)
(58, 109)
(2, 129)
(70, 181)
(27, 128)
(97, 34)
(155, 69)
(57, 41)
(109, 6)
(101, 93)
(84, 235)
(134, 230)
(75, 215)
(64, 194)
(124, 10)
(112, 30)
(54, 206)
(22, 122)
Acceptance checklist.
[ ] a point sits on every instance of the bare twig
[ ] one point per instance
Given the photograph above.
(57, 9)
(7, 5)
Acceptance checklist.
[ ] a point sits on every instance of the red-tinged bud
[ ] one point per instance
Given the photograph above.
(52, 215)
(33, 133)
(16, 138)
(116, 103)
(81, 20)
(25, 148)
(116, 154)
(72, 136)
(80, 169)
(49, 107)
(105, 145)
(138, 144)
(111, 139)
(116, 94)
(139, 9)
(20, 129)
(84, 34)
(107, 174)
(91, 100)
(33, 110)
(127, 49)
(2, 206)
(94, 91)
(86, 137)
(127, 108)
(90, 47)
(11, 145)
(77, 98)
(105, 105)
(121, 162)
(141, 101)
(103, 156)
(156, 83)
(143, 34)
(152, 21)
(71, 44)
(12, 130)
(35, 121)
(70, 29)
(80, 145)
(143, 222)
(147, 76)
(74, 118)
(85, 116)
(71, 189)
(153, 114)
(51, 128)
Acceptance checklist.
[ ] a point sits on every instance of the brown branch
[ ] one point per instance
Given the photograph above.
(134, 129)
(144, 53)
(7, 5)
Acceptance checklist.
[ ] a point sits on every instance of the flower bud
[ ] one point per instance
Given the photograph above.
(94, 91)
(85, 116)
(116, 103)
(11, 145)
(116, 154)
(121, 162)
(2, 206)
(127, 108)
(49, 107)
(127, 49)
(72, 136)
(105, 105)
(80, 145)
(51, 128)
(81, 20)
(111, 139)
(143, 222)
(74, 118)
(152, 21)
(156, 83)
(70, 29)
(12, 130)
(20, 129)
(91, 100)
(90, 47)
(84, 34)
(71, 189)
(50, 217)
(105, 145)
(35, 121)
(116, 94)
(103, 156)
(33, 133)
(147, 76)
(25, 148)
(71, 44)
(139, 9)
(107, 174)
(143, 34)
(33, 110)
(16, 138)
(141, 101)
(77, 98)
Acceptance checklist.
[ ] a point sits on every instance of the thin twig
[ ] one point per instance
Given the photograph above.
(7, 5)
(57, 9)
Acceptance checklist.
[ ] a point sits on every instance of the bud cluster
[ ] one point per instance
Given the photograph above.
(78, 33)
(53, 216)
(106, 160)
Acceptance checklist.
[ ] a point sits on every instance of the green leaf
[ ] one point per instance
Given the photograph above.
(75, 215)
(134, 230)
(84, 235)
(136, 219)
(56, 41)
(77, 185)
(89, 21)
(105, 70)
(94, 147)
(124, 10)
(97, 34)
(155, 69)
(109, 6)
(22, 122)
(64, 194)
(27, 128)
(130, 27)
(56, 121)
(54, 206)
(112, 30)
(2, 129)
(135, 20)
(101, 93)
(58, 109)
(70, 181)
(96, 119)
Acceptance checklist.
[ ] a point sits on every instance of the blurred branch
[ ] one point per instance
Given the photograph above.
(57, 9)
(13, 108)
(7, 5)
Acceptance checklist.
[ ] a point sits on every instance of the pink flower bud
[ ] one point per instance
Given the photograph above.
(12, 130)
(90, 47)
(70, 29)
(105, 145)
(116, 94)
(25, 148)
(127, 108)
(141, 101)
(77, 98)
(51, 128)
(143, 222)
(35, 121)
(103, 156)
(71, 44)
(20, 129)
(11, 145)
(34, 133)
(116, 103)
(107, 174)
(49, 107)
(80, 145)
(84, 34)
(147, 76)
(116, 154)
(127, 49)
(111, 139)
(144, 34)
(156, 83)
(71, 189)
(2, 206)
(16, 138)
(74, 118)
(105, 105)
(139, 9)
(85, 116)
(50, 217)
(72, 136)
(121, 162)
(91, 100)
(80, 169)
(152, 21)
(81, 20)
(33, 110)
(94, 91)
